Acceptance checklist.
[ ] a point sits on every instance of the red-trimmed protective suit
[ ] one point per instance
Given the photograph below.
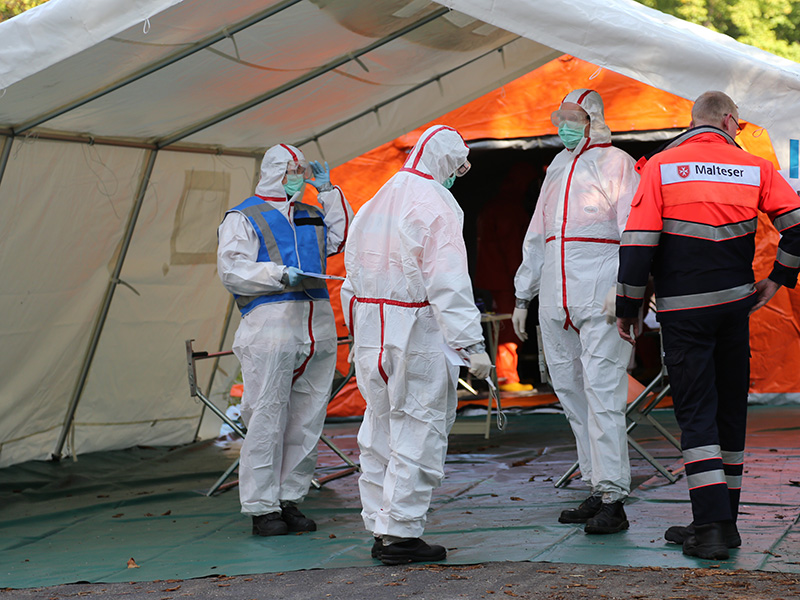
(407, 293)
(570, 261)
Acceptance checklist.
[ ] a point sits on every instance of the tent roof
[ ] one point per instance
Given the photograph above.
(337, 77)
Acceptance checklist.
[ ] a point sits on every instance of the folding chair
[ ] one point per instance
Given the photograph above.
(637, 413)
(192, 356)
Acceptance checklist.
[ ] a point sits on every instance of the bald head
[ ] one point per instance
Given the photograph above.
(712, 108)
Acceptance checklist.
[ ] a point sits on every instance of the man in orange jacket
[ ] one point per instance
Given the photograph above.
(692, 225)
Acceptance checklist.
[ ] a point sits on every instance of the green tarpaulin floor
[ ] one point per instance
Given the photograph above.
(85, 520)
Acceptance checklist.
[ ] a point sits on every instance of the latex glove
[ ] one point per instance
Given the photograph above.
(322, 176)
(351, 354)
(518, 318)
(480, 365)
(610, 306)
(292, 276)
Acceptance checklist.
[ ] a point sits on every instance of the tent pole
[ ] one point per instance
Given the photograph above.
(4, 156)
(405, 93)
(220, 348)
(167, 61)
(150, 159)
(294, 83)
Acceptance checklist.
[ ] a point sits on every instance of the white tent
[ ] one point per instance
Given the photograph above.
(127, 127)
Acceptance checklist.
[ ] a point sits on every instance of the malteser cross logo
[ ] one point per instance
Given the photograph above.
(683, 171)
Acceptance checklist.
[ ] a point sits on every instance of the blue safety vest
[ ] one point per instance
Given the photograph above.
(301, 243)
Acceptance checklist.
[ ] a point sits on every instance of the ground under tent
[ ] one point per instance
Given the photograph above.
(85, 521)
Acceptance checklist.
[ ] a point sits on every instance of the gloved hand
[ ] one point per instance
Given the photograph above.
(518, 318)
(480, 365)
(292, 276)
(322, 176)
(351, 354)
(610, 306)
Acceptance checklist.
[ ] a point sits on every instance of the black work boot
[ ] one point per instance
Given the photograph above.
(269, 524)
(587, 509)
(413, 550)
(677, 534)
(609, 519)
(377, 547)
(708, 541)
(295, 520)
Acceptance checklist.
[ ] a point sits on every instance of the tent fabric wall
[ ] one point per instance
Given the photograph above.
(64, 209)
(171, 265)
(92, 90)
(74, 201)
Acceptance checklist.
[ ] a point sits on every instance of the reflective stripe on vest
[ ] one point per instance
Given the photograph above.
(301, 244)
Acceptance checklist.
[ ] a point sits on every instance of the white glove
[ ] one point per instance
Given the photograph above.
(480, 365)
(518, 319)
(351, 354)
(610, 306)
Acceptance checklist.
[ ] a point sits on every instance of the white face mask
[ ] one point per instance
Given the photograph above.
(294, 183)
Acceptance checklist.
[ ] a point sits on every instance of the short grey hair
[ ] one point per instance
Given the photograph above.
(711, 107)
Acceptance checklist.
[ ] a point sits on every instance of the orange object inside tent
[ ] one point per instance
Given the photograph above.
(521, 109)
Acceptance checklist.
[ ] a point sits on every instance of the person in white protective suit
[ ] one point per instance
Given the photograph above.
(407, 294)
(570, 259)
(286, 341)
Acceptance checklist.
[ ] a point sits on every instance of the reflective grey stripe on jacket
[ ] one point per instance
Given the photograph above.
(631, 291)
(709, 232)
(640, 238)
(786, 220)
(787, 260)
(706, 298)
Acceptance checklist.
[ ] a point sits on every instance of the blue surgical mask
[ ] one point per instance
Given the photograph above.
(448, 183)
(294, 183)
(571, 136)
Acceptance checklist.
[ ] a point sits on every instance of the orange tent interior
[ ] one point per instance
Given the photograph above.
(497, 212)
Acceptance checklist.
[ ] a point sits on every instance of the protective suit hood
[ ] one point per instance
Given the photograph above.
(592, 103)
(273, 168)
(439, 151)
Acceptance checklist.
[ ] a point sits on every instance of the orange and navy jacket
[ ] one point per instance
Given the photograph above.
(693, 223)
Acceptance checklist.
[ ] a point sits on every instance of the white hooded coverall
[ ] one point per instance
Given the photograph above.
(407, 292)
(286, 341)
(570, 259)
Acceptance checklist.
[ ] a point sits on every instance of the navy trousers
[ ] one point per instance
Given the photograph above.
(708, 363)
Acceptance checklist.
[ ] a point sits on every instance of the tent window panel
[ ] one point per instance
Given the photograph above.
(204, 200)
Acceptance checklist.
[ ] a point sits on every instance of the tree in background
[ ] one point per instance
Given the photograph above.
(11, 8)
(772, 25)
